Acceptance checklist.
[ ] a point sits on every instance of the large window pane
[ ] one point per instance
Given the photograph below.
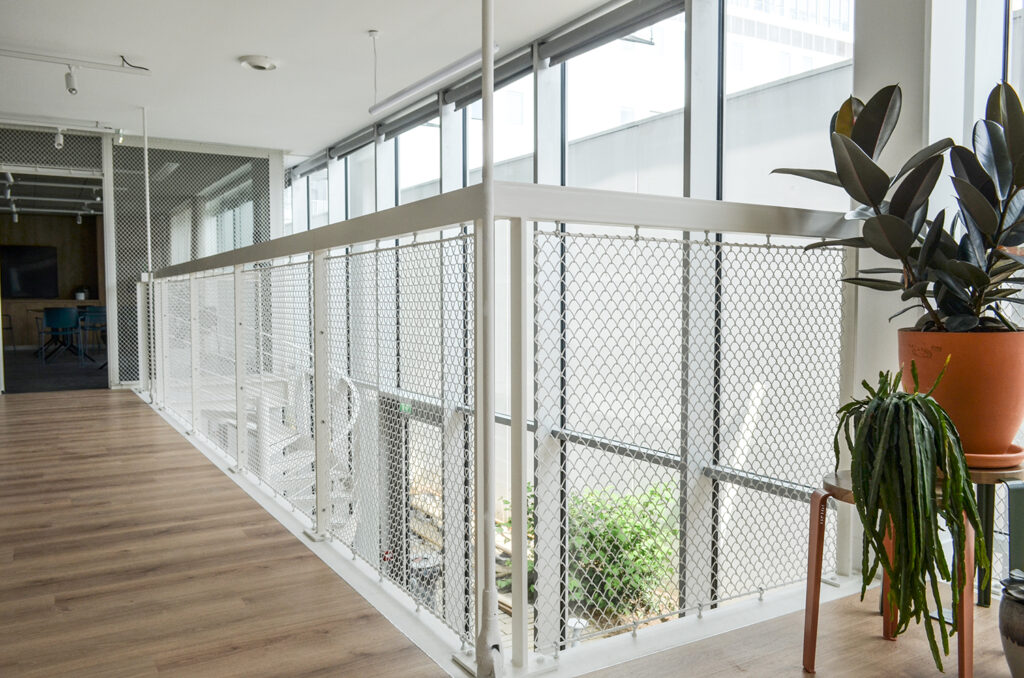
(1015, 57)
(513, 133)
(788, 68)
(624, 112)
(336, 190)
(286, 204)
(419, 162)
(361, 182)
(300, 205)
(318, 210)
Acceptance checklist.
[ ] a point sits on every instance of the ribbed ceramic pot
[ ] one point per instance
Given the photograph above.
(1011, 630)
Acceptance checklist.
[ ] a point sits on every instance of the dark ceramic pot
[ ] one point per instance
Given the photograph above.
(1011, 629)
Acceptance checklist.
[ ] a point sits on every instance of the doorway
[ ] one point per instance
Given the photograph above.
(52, 296)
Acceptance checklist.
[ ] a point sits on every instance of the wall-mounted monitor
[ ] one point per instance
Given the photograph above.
(28, 272)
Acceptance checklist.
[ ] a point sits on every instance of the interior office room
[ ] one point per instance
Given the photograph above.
(52, 259)
(484, 338)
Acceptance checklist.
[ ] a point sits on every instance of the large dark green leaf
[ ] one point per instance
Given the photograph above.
(824, 176)
(1004, 107)
(931, 243)
(993, 155)
(950, 296)
(888, 235)
(876, 122)
(865, 181)
(938, 147)
(842, 121)
(914, 190)
(961, 323)
(972, 247)
(918, 289)
(1014, 211)
(966, 167)
(966, 272)
(1013, 236)
(918, 218)
(875, 284)
(843, 242)
(976, 207)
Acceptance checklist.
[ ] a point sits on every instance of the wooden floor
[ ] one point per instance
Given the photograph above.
(125, 552)
(850, 645)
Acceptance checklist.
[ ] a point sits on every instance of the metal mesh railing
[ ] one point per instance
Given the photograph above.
(277, 326)
(200, 204)
(401, 384)
(685, 395)
(215, 407)
(177, 348)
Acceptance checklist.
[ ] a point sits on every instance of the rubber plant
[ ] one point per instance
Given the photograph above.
(908, 471)
(959, 268)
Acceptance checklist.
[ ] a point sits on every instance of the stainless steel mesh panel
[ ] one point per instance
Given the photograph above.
(200, 204)
(685, 396)
(277, 326)
(177, 348)
(35, 148)
(401, 385)
(215, 410)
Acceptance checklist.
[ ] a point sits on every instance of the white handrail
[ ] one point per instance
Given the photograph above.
(534, 202)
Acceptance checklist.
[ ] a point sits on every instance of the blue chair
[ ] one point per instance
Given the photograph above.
(60, 327)
(91, 321)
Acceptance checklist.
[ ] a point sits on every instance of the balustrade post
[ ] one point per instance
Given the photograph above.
(193, 305)
(321, 399)
(519, 296)
(241, 416)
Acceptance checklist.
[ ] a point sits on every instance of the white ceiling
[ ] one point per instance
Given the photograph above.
(198, 91)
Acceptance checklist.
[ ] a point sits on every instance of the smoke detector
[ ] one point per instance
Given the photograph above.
(257, 62)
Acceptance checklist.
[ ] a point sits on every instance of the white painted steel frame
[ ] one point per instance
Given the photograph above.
(539, 203)
(110, 260)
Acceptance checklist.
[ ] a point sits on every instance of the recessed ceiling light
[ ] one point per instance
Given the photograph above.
(257, 62)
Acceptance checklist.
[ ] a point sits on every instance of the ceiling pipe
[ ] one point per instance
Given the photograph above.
(35, 210)
(43, 198)
(430, 83)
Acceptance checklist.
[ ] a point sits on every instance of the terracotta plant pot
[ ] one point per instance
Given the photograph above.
(982, 390)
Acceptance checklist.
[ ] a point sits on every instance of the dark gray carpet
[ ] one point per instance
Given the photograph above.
(24, 373)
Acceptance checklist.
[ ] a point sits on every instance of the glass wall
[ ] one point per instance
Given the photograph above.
(300, 205)
(361, 182)
(624, 112)
(788, 67)
(419, 162)
(513, 133)
(318, 199)
(336, 182)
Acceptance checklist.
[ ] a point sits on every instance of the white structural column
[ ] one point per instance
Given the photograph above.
(700, 153)
(110, 260)
(488, 643)
(892, 45)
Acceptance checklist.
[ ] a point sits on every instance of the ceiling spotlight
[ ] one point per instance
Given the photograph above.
(120, 136)
(69, 81)
(257, 62)
(78, 219)
(14, 212)
(7, 192)
(58, 139)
